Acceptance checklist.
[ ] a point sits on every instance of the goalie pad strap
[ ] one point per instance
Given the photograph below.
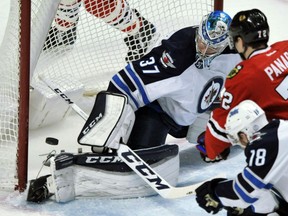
(109, 162)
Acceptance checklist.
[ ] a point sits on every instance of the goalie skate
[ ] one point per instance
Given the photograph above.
(105, 175)
(142, 42)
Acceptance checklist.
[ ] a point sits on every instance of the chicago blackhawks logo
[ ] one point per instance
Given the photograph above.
(209, 93)
(234, 71)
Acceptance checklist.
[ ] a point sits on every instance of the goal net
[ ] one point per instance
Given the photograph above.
(79, 44)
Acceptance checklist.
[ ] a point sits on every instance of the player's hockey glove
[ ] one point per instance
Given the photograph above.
(206, 197)
(38, 191)
(202, 149)
(235, 211)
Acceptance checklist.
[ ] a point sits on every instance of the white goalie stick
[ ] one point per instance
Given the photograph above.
(131, 159)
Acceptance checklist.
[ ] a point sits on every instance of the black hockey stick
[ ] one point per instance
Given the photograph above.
(131, 159)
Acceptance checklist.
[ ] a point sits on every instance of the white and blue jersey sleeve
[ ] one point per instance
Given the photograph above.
(133, 82)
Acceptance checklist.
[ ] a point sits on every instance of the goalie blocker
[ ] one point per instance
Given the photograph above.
(110, 122)
(102, 175)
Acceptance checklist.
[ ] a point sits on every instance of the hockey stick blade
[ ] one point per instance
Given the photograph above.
(131, 159)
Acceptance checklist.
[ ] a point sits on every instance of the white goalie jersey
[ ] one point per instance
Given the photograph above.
(172, 74)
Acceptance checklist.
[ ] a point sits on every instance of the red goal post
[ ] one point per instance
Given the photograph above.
(97, 53)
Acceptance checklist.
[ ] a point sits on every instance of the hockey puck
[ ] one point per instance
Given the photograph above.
(51, 141)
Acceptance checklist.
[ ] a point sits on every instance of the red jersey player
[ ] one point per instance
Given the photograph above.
(262, 77)
(117, 13)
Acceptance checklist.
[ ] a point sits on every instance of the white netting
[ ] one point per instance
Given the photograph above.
(9, 96)
(98, 52)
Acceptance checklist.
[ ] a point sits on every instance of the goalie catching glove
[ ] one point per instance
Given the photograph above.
(110, 122)
(202, 149)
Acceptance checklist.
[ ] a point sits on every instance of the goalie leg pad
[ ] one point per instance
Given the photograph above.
(110, 121)
(108, 177)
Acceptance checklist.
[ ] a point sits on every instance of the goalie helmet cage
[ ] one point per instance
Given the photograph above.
(90, 52)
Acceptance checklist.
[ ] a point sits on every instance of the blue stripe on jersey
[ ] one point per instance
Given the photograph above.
(244, 195)
(256, 181)
(138, 83)
(124, 87)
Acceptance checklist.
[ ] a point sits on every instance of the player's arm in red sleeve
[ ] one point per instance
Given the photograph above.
(237, 88)
(216, 141)
(213, 143)
(215, 137)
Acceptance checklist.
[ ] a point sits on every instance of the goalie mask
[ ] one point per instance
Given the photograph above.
(212, 37)
(246, 117)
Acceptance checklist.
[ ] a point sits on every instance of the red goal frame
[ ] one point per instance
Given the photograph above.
(24, 86)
